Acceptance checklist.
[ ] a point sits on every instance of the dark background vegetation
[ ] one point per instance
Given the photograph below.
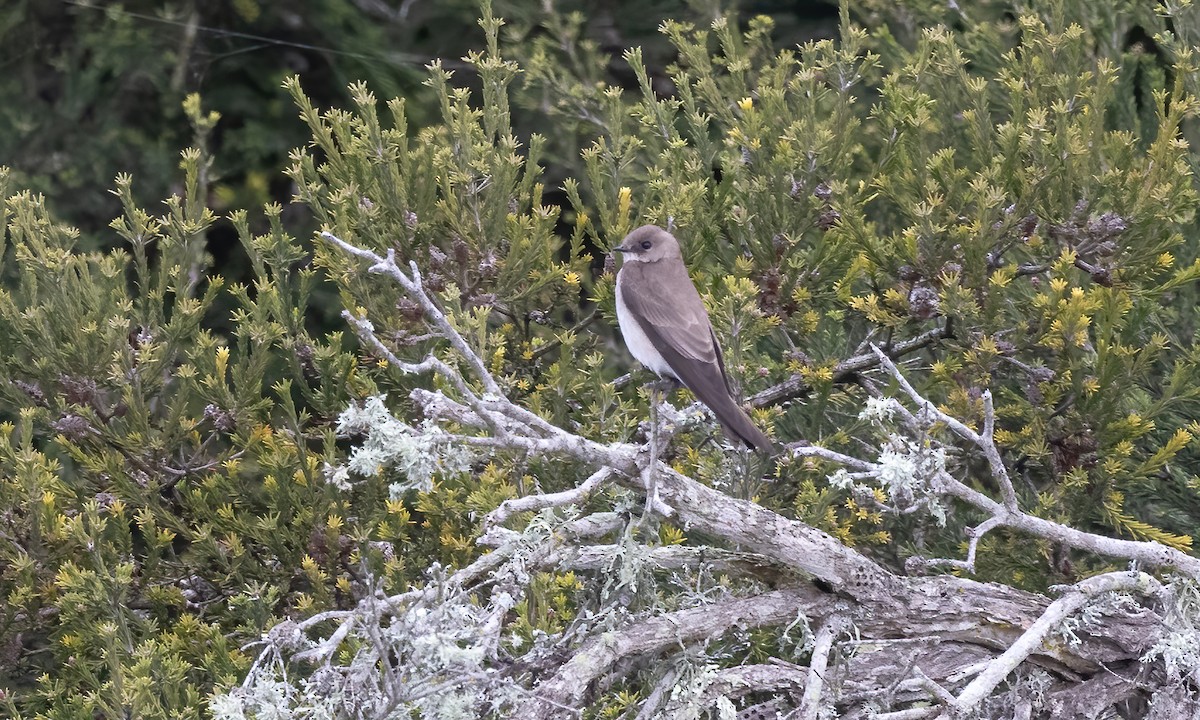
(91, 89)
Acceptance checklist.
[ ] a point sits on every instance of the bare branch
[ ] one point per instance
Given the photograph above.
(810, 703)
(983, 442)
(916, 564)
(414, 287)
(757, 529)
(1081, 593)
(796, 385)
(533, 503)
(669, 557)
(366, 333)
(619, 456)
(832, 456)
(938, 692)
(1150, 554)
(653, 635)
(746, 679)
(1008, 514)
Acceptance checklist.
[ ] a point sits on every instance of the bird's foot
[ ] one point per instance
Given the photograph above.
(663, 385)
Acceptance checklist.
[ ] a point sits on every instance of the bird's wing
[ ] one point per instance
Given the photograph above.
(674, 320)
(678, 326)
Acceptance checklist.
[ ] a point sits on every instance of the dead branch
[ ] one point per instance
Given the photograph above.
(810, 703)
(796, 386)
(654, 635)
(944, 639)
(1033, 638)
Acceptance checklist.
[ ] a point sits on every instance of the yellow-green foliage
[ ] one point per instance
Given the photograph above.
(164, 483)
(1027, 185)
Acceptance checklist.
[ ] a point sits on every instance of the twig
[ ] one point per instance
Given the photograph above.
(983, 442)
(935, 689)
(414, 287)
(1008, 513)
(366, 333)
(810, 702)
(1032, 639)
(348, 618)
(541, 351)
(516, 412)
(974, 534)
(653, 635)
(587, 527)
(833, 456)
(796, 385)
(533, 503)
(1150, 554)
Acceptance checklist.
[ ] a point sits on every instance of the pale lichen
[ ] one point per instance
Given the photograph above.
(879, 411)
(1179, 645)
(417, 453)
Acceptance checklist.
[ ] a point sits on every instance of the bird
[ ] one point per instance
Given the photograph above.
(666, 327)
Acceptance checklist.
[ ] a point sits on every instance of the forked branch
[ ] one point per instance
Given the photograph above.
(963, 620)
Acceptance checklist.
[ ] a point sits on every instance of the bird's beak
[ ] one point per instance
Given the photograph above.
(632, 251)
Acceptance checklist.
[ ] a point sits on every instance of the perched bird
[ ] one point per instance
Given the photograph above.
(667, 328)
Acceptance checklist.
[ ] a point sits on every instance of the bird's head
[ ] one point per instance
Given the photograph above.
(649, 243)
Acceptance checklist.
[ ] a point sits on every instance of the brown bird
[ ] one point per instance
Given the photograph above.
(667, 328)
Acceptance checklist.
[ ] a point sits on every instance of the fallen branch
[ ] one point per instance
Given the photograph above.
(568, 686)
(775, 677)
(810, 703)
(1079, 595)
(963, 638)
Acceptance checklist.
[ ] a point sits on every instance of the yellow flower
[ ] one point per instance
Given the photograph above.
(746, 104)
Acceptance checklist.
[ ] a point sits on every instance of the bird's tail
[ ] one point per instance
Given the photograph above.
(739, 426)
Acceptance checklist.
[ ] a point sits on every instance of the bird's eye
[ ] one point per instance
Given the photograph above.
(645, 244)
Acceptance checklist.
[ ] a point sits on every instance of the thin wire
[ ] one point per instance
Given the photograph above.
(396, 58)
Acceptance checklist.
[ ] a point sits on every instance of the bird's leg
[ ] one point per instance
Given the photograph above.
(657, 438)
(663, 385)
(656, 393)
(743, 464)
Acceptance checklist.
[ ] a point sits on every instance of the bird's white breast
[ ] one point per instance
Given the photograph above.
(636, 340)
